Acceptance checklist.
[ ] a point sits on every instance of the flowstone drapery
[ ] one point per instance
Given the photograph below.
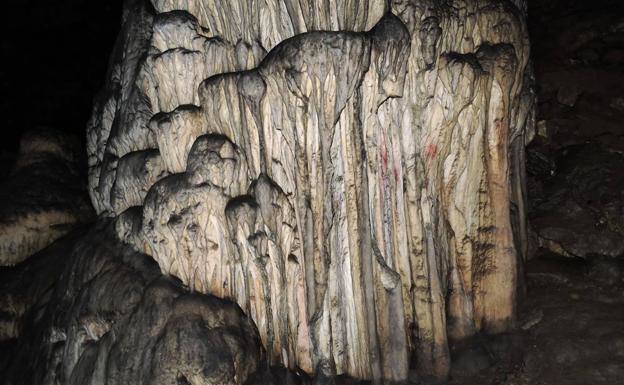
(349, 172)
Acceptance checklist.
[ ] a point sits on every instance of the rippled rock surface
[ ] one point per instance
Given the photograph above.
(349, 172)
(89, 310)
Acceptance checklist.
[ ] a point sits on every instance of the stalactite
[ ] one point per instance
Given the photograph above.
(346, 171)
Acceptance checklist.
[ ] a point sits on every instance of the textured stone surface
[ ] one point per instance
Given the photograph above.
(579, 339)
(575, 174)
(579, 211)
(358, 193)
(42, 198)
(89, 310)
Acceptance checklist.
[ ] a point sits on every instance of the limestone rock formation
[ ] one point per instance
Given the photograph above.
(349, 172)
(90, 311)
(42, 198)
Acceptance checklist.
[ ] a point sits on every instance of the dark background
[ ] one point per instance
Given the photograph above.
(54, 61)
(55, 54)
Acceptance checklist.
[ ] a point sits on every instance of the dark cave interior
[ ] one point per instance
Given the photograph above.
(67, 44)
(571, 315)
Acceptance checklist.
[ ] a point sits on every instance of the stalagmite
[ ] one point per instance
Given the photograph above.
(349, 172)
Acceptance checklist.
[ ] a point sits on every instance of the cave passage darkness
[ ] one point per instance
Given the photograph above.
(570, 327)
(55, 57)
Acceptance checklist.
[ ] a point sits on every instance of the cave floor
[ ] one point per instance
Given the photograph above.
(571, 330)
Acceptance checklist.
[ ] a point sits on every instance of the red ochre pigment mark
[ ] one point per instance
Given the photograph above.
(500, 130)
(384, 158)
(431, 151)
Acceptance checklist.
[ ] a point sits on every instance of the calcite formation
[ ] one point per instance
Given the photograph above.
(89, 310)
(349, 172)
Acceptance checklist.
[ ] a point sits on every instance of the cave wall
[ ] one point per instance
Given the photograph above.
(350, 173)
(574, 162)
(90, 310)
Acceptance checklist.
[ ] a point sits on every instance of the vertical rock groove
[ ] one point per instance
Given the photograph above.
(340, 169)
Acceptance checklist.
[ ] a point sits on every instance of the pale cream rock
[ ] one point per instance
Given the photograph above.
(352, 191)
